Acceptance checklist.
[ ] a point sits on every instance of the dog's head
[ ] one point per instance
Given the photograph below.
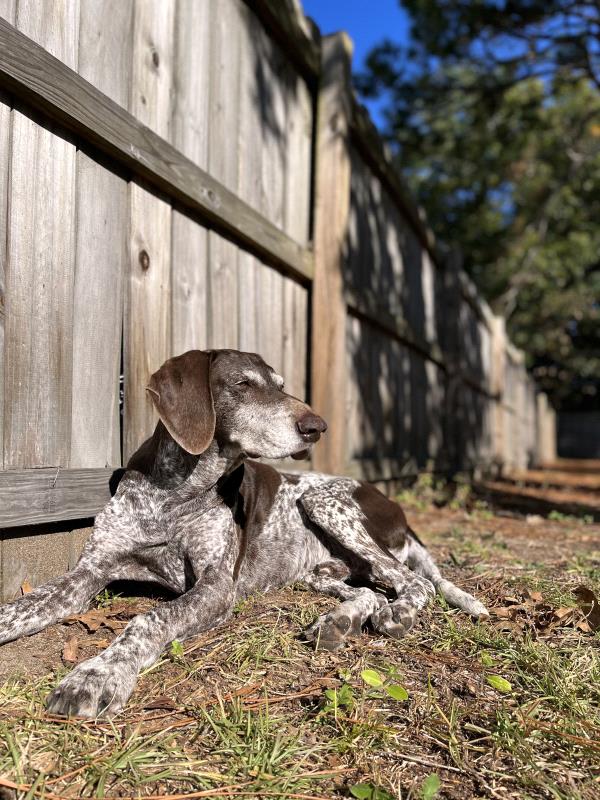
(235, 398)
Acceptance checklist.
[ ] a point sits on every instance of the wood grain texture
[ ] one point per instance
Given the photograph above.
(7, 12)
(147, 317)
(48, 85)
(227, 24)
(5, 131)
(189, 285)
(32, 496)
(100, 270)
(274, 129)
(148, 336)
(152, 64)
(270, 321)
(105, 38)
(190, 91)
(40, 267)
(248, 301)
(252, 104)
(101, 251)
(332, 184)
(299, 120)
(190, 116)
(249, 151)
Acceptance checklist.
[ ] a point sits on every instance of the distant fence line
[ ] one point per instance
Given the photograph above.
(178, 174)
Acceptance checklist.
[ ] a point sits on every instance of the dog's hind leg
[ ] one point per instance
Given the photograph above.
(421, 562)
(330, 630)
(333, 508)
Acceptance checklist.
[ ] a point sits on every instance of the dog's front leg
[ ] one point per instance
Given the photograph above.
(103, 684)
(51, 602)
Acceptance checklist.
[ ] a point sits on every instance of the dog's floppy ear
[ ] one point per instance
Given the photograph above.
(181, 392)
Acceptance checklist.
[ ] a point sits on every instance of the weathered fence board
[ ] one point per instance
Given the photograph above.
(7, 10)
(40, 267)
(190, 115)
(332, 187)
(101, 250)
(97, 315)
(45, 495)
(148, 318)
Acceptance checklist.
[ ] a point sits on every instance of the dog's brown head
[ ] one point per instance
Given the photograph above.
(235, 398)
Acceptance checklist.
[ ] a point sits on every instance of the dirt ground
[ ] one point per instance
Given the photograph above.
(503, 708)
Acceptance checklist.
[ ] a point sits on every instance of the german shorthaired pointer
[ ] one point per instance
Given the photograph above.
(195, 515)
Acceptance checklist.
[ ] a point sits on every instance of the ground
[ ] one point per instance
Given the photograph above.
(505, 708)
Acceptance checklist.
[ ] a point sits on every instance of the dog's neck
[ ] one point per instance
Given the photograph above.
(169, 466)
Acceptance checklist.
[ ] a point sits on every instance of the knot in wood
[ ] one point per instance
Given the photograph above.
(144, 260)
(155, 58)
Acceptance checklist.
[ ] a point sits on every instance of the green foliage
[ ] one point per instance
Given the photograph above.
(431, 786)
(495, 119)
(176, 650)
(336, 699)
(394, 690)
(366, 791)
(499, 684)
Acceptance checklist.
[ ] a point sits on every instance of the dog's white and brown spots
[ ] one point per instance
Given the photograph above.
(195, 515)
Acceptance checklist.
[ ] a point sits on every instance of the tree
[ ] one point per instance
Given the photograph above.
(493, 110)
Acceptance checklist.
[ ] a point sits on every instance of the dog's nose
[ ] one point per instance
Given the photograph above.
(311, 424)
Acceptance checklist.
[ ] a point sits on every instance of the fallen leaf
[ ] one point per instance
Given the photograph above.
(95, 618)
(588, 602)
(70, 650)
(535, 596)
(504, 612)
(561, 613)
(26, 587)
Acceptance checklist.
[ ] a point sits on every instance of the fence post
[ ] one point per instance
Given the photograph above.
(546, 430)
(332, 204)
(498, 368)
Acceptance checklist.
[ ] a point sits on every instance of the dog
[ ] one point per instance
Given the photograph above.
(195, 513)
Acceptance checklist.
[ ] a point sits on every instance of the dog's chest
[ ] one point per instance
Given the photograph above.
(282, 549)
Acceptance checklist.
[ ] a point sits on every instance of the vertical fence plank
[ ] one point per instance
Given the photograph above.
(7, 12)
(296, 223)
(249, 153)
(101, 250)
(147, 330)
(40, 249)
(39, 279)
(189, 254)
(148, 317)
(226, 30)
(331, 219)
(105, 31)
(270, 323)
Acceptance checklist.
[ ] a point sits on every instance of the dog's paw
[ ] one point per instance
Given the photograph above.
(93, 689)
(330, 631)
(395, 619)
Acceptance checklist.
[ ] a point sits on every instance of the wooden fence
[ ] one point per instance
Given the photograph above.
(197, 173)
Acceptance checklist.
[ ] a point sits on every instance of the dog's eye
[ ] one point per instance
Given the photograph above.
(243, 383)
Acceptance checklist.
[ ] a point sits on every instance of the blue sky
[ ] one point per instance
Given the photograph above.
(367, 22)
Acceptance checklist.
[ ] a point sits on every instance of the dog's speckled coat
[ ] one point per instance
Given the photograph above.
(195, 515)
